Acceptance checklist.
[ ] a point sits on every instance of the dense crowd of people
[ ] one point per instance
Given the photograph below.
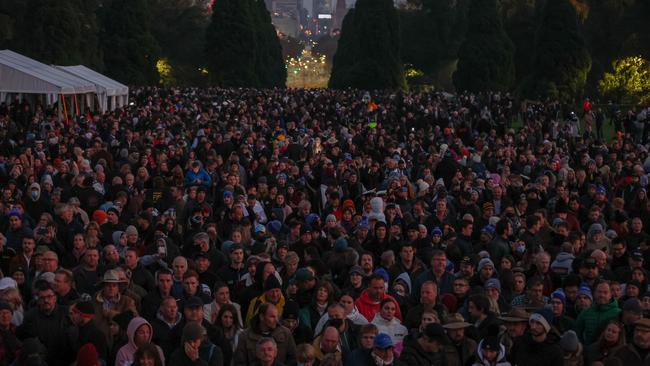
(229, 227)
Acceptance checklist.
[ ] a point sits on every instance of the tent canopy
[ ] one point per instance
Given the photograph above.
(21, 74)
(103, 83)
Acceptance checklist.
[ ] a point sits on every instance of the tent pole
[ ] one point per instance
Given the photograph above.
(76, 107)
(65, 110)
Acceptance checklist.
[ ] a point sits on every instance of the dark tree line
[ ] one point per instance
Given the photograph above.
(126, 38)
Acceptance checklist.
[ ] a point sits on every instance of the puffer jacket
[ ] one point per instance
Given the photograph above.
(592, 320)
(126, 352)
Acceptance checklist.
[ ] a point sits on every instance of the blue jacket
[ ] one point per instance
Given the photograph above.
(192, 178)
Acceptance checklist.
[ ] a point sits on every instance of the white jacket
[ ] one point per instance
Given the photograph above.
(393, 328)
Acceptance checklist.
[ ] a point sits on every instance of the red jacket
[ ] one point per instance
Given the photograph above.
(368, 308)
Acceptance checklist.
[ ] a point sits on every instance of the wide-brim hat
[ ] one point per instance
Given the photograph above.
(515, 315)
(111, 276)
(456, 321)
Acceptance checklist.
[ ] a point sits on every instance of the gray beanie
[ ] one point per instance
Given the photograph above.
(569, 342)
(193, 331)
(485, 262)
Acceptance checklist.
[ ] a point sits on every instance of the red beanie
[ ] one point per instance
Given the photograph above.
(100, 216)
(87, 355)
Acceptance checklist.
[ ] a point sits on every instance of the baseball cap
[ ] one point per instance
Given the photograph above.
(382, 341)
(193, 302)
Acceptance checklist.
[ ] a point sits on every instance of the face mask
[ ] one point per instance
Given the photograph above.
(35, 194)
(521, 249)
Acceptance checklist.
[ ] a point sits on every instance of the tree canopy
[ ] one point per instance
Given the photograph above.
(368, 54)
(561, 60)
(486, 57)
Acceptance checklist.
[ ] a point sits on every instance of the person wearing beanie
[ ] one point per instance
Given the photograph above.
(100, 217)
(82, 315)
(492, 290)
(272, 294)
(537, 347)
(490, 352)
(87, 356)
(572, 348)
(196, 348)
(484, 272)
(561, 321)
(593, 319)
(291, 319)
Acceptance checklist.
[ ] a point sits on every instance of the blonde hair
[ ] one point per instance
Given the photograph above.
(305, 352)
(12, 296)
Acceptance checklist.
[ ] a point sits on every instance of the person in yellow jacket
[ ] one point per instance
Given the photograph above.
(272, 294)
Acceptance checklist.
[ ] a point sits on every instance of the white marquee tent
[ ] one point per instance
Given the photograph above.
(22, 75)
(110, 93)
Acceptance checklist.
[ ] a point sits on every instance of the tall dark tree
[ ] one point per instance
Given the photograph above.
(486, 57)
(520, 20)
(178, 22)
(231, 44)
(130, 51)
(91, 51)
(562, 61)
(51, 31)
(11, 14)
(368, 55)
(269, 63)
(431, 34)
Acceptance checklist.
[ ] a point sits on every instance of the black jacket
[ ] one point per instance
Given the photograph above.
(414, 355)
(89, 333)
(527, 352)
(55, 331)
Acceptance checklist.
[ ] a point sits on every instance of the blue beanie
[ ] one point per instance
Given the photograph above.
(274, 226)
(382, 272)
(559, 294)
(340, 244)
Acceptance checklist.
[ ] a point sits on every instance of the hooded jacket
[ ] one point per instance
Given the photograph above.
(36, 205)
(126, 352)
(368, 307)
(393, 328)
(592, 320)
(500, 360)
(254, 307)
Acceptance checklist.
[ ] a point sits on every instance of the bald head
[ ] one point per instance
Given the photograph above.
(329, 340)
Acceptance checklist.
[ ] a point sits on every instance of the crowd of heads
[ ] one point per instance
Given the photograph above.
(240, 226)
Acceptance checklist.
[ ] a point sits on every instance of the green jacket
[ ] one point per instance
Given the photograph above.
(593, 320)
